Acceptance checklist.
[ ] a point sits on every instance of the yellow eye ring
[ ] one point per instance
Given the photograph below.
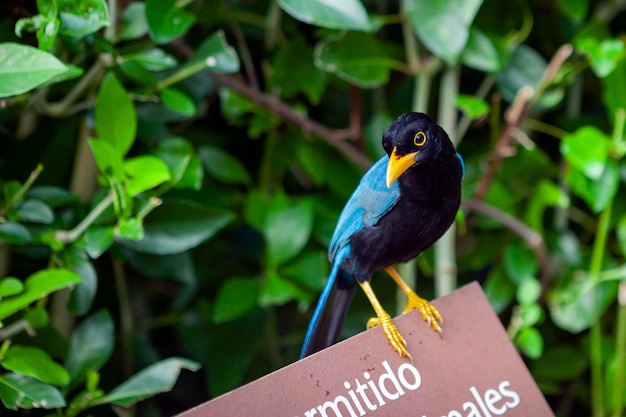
(419, 139)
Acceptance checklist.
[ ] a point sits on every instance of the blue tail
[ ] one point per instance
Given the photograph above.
(308, 346)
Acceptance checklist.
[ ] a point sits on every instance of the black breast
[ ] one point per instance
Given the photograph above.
(429, 200)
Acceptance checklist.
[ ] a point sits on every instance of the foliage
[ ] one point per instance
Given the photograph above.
(171, 172)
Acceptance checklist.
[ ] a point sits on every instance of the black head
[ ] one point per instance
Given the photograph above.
(414, 138)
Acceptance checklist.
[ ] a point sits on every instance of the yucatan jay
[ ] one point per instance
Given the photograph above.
(403, 204)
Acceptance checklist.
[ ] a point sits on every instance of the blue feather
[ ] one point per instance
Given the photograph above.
(460, 158)
(370, 201)
(368, 204)
(316, 318)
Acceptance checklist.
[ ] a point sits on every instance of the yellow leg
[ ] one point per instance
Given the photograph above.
(383, 319)
(429, 313)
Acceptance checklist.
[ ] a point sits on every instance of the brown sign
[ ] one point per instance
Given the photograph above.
(474, 371)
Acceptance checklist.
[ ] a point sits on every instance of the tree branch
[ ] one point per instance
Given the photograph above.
(334, 137)
(533, 239)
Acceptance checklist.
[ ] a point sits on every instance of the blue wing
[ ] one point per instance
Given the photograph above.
(370, 201)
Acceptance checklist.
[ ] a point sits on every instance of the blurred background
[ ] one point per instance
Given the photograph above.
(171, 173)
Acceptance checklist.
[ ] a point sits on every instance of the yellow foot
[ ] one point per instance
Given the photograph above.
(395, 338)
(428, 311)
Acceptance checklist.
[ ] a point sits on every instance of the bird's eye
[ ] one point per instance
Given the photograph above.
(419, 139)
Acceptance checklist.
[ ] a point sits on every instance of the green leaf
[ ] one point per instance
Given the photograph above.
(357, 58)
(258, 205)
(83, 294)
(295, 72)
(605, 188)
(530, 341)
(481, 53)
(107, 158)
(178, 101)
(177, 227)
(116, 122)
(14, 233)
(20, 391)
(35, 363)
(530, 314)
(137, 73)
(587, 150)
(234, 106)
(223, 166)
(287, 231)
(182, 161)
(47, 28)
(277, 291)
(167, 20)
(499, 290)
(528, 291)
(145, 172)
(37, 317)
(154, 59)
(135, 24)
(80, 18)
(525, 69)
(604, 55)
(91, 346)
(10, 189)
(561, 363)
(35, 211)
(152, 380)
(577, 306)
(23, 68)
(520, 263)
(575, 9)
(216, 54)
(10, 286)
(546, 194)
(98, 240)
(37, 286)
(52, 196)
(613, 87)
(345, 14)
(235, 298)
(72, 72)
(443, 25)
(472, 106)
(130, 228)
(47, 8)
(309, 269)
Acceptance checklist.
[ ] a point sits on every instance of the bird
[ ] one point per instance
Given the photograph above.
(403, 204)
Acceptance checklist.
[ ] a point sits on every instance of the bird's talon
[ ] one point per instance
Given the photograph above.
(396, 340)
(429, 313)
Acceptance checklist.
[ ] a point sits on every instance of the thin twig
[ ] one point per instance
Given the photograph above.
(514, 117)
(244, 51)
(69, 236)
(61, 108)
(335, 137)
(22, 191)
(533, 239)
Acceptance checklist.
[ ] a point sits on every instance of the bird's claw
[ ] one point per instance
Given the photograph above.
(395, 338)
(429, 313)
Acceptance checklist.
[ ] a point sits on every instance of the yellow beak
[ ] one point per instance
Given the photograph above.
(398, 164)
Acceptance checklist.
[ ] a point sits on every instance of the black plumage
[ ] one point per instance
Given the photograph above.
(403, 205)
